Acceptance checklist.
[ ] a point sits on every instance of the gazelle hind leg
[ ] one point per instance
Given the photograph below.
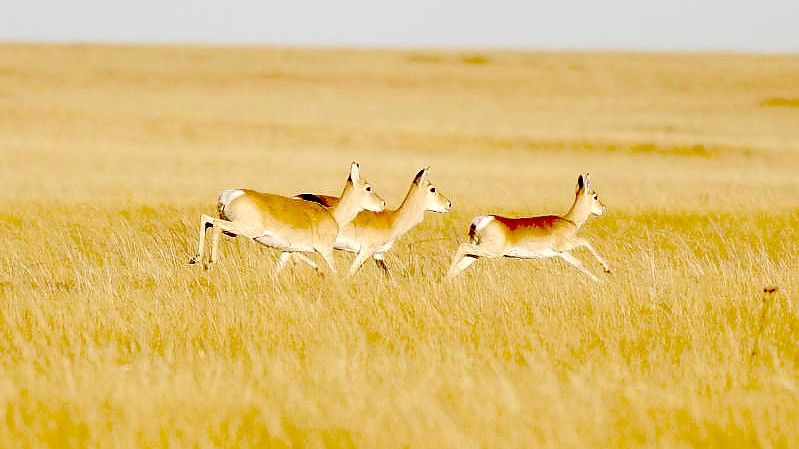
(206, 221)
(457, 267)
(573, 261)
(216, 233)
(467, 254)
(286, 257)
(220, 226)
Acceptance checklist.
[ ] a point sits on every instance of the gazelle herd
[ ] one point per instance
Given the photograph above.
(358, 222)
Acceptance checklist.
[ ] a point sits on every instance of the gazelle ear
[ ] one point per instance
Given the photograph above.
(580, 183)
(421, 175)
(355, 172)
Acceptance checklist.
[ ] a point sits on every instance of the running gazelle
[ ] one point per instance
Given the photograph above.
(371, 234)
(288, 224)
(492, 236)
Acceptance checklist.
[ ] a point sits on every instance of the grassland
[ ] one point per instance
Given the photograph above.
(108, 338)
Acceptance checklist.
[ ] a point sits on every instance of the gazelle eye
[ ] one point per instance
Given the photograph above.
(368, 188)
(432, 189)
(596, 197)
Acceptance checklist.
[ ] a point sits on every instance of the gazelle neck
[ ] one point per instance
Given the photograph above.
(347, 207)
(580, 210)
(410, 213)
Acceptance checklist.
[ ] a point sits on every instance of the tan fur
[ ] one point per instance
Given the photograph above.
(494, 236)
(288, 224)
(299, 222)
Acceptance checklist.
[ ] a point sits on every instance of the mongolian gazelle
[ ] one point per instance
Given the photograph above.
(493, 236)
(288, 224)
(371, 234)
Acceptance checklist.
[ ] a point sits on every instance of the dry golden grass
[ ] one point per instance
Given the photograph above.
(109, 339)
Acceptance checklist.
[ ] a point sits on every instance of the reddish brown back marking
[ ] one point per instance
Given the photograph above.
(544, 221)
(324, 200)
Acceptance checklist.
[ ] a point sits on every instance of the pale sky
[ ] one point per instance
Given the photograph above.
(737, 25)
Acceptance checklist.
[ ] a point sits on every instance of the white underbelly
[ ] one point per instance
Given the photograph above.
(353, 246)
(345, 244)
(524, 253)
(272, 241)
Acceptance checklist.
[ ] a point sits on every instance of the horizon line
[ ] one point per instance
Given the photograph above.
(709, 50)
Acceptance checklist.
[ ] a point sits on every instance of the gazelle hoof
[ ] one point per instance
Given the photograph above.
(193, 260)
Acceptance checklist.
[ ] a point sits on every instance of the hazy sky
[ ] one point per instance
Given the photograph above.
(748, 25)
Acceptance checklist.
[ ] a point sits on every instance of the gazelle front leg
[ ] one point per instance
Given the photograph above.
(327, 256)
(573, 261)
(206, 221)
(308, 261)
(363, 254)
(581, 242)
(285, 256)
(380, 261)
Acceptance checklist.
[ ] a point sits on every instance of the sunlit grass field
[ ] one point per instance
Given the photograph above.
(108, 338)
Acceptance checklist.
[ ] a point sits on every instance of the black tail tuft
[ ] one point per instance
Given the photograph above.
(473, 233)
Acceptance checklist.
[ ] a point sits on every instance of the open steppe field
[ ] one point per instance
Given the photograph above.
(109, 338)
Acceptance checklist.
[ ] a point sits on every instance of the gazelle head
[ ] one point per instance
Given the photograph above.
(588, 197)
(432, 199)
(361, 191)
